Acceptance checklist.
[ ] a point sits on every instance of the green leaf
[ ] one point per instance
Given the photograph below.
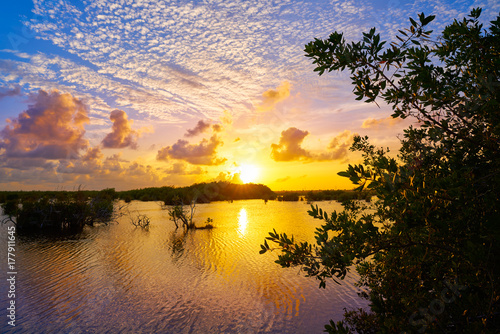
(435, 207)
(361, 187)
(428, 20)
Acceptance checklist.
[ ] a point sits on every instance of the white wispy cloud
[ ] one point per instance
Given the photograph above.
(189, 58)
(173, 60)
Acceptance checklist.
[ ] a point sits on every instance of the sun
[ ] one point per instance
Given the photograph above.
(248, 173)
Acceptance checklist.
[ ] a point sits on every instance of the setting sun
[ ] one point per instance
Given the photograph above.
(248, 173)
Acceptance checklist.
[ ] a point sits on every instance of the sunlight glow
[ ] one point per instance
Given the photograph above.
(248, 173)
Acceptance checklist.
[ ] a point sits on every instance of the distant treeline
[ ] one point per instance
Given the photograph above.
(339, 195)
(62, 212)
(202, 192)
(325, 195)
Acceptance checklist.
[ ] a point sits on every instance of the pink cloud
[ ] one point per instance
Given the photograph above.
(51, 128)
(290, 148)
(381, 122)
(200, 127)
(203, 127)
(121, 134)
(338, 148)
(204, 153)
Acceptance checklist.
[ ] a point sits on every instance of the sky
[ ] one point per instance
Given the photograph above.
(134, 94)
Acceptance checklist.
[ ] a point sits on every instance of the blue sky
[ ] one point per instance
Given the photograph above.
(144, 73)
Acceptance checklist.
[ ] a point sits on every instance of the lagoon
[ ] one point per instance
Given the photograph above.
(122, 279)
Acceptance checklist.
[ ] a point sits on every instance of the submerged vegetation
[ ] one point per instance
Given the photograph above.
(66, 212)
(181, 216)
(140, 220)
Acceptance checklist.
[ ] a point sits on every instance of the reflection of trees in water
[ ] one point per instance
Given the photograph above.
(177, 242)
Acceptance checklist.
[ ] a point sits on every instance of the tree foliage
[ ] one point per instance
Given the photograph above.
(182, 217)
(59, 213)
(179, 215)
(203, 192)
(428, 250)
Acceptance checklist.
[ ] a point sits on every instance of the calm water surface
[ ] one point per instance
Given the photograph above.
(122, 279)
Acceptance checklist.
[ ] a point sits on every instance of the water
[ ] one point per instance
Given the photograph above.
(122, 279)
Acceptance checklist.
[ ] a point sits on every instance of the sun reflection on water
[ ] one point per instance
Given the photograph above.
(242, 221)
(162, 280)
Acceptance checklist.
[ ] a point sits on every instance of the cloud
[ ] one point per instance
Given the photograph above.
(121, 135)
(226, 118)
(203, 153)
(180, 168)
(339, 146)
(92, 170)
(4, 92)
(138, 170)
(236, 49)
(381, 122)
(271, 97)
(200, 127)
(289, 147)
(217, 127)
(283, 179)
(27, 164)
(229, 177)
(51, 128)
(93, 153)
(95, 169)
(89, 164)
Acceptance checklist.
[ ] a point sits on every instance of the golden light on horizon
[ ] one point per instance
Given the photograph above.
(248, 173)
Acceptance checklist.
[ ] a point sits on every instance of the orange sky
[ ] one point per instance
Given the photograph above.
(101, 94)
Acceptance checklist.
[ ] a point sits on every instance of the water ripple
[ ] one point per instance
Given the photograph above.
(120, 279)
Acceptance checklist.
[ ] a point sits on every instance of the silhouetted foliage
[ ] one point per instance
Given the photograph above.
(63, 212)
(203, 192)
(339, 195)
(181, 216)
(140, 220)
(428, 250)
(289, 197)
